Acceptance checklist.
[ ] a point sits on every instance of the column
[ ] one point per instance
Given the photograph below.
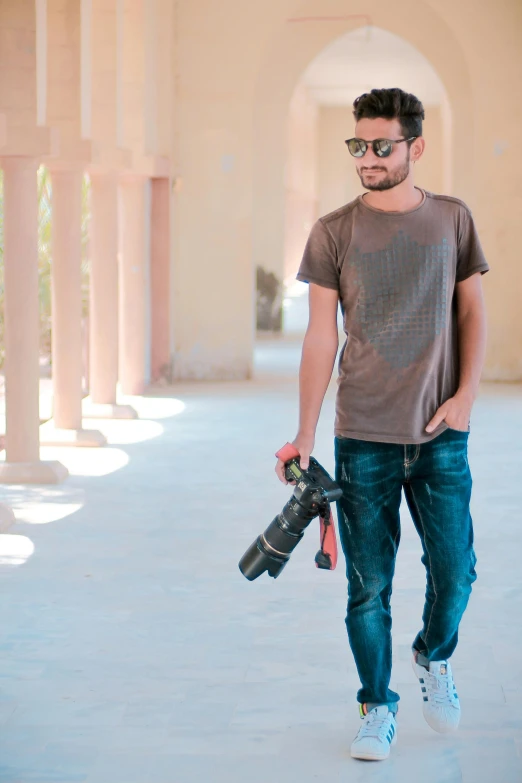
(160, 279)
(103, 316)
(134, 255)
(22, 371)
(66, 425)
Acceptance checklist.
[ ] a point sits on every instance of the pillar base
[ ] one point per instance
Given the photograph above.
(98, 410)
(7, 518)
(51, 472)
(50, 435)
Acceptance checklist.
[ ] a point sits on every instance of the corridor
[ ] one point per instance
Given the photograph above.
(133, 651)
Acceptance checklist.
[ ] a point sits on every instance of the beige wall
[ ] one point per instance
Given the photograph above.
(23, 65)
(234, 69)
(106, 98)
(429, 172)
(300, 178)
(213, 92)
(18, 61)
(293, 47)
(63, 70)
(485, 170)
(337, 178)
(212, 151)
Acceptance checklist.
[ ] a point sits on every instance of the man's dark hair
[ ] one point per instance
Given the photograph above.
(391, 104)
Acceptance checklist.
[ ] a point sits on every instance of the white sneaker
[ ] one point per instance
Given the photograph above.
(441, 706)
(376, 735)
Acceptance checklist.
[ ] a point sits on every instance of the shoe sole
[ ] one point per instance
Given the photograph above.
(448, 729)
(374, 756)
(368, 757)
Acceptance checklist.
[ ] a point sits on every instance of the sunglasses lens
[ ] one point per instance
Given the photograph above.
(356, 147)
(382, 148)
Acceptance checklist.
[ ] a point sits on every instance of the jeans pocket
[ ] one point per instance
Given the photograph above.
(457, 432)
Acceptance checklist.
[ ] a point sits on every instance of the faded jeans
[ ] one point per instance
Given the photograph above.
(437, 482)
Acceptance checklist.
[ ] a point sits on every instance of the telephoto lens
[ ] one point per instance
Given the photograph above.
(272, 549)
(314, 491)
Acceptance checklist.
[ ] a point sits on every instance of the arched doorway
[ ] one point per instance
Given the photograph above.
(295, 44)
(319, 174)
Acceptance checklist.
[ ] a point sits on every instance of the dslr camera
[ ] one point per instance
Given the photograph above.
(314, 491)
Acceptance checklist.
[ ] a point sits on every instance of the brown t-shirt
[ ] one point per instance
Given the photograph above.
(395, 273)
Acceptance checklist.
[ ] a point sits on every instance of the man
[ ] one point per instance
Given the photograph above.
(406, 267)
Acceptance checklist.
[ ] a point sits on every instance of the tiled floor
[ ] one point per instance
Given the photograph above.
(133, 651)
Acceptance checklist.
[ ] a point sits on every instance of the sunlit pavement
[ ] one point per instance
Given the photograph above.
(132, 649)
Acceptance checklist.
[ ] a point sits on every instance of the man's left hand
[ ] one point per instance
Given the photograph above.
(455, 412)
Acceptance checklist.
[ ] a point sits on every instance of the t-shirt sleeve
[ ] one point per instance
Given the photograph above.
(470, 256)
(319, 264)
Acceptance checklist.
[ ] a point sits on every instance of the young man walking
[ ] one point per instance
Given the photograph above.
(406, 267)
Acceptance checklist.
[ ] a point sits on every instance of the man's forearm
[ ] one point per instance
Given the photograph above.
(317, 362)
(472, 350)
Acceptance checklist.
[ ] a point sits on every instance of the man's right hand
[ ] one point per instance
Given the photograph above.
(305, 445)
(317, 360)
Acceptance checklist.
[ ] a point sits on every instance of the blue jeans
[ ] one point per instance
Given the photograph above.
(437, 482)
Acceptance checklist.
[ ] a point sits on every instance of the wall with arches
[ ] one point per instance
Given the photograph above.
(235, 66)
(197, 93)
(472, 61)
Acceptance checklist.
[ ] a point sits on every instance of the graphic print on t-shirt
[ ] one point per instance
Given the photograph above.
(402, 301)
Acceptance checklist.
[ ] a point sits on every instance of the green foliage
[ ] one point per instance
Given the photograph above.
(269, 315)
(44, 186)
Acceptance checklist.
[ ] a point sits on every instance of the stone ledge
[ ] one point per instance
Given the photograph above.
(50, 435)
(40, 472)
(97, 410)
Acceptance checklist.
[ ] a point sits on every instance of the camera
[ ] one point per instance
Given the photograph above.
(314, 491)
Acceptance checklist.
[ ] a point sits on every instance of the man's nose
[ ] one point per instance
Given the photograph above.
(370, 159)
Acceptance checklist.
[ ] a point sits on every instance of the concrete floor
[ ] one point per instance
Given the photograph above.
(132, 649)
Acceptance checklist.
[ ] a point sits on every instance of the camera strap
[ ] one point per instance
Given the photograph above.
(328, 537)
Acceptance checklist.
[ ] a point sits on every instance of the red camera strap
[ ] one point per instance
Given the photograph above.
(328, 539)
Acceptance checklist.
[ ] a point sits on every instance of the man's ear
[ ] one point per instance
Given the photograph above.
(417, 148)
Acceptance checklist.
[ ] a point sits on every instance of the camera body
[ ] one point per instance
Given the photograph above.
(314, 486)
(314, 491)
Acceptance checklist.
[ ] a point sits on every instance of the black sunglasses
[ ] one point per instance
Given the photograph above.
(381, 147)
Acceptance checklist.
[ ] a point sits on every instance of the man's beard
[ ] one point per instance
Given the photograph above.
(393, 178)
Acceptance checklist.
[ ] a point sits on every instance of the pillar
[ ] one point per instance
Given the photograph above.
(22, 370)
(103, 316)
(104, 289)
(134, 256)
(66, 426)
(160, 279)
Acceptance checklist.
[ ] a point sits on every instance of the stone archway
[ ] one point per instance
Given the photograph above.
(320, 176)
(301, 37)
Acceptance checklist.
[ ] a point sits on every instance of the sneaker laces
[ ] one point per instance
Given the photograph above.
(374, 725)
(441, 688)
